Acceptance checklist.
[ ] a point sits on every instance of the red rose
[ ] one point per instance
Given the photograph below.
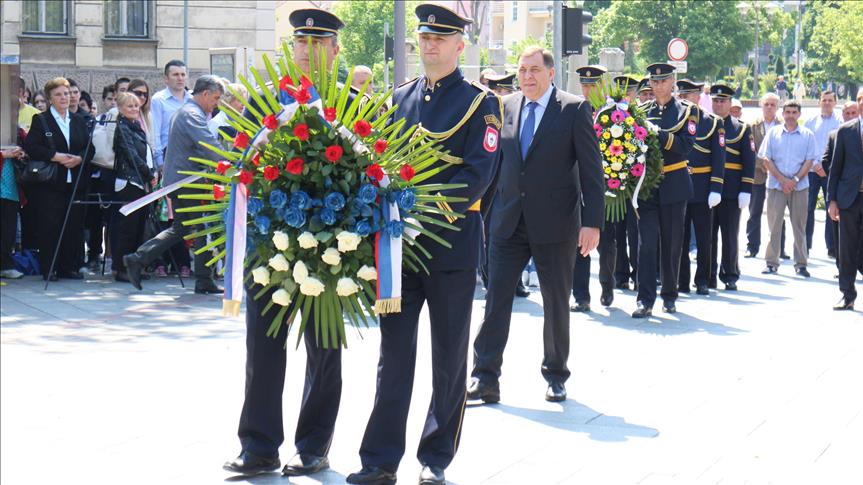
(257, 158)
(270, 122)
(407, 172)
(295, 166)
(271, 173)
(330, 114)
(363, 128)
(301, 131)
(381, 146)
(285, 82)
(302, 95)
(222, 167)
(218, 192)
(241, 141)
(375, 172)
(246, 177)
(334, 153)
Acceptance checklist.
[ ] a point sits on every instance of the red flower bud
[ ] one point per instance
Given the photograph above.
(381, 146)
(334, 153)
(256, 159)
(302, 95)
(407, 173)
(218, 192)
(285, 82)
(223, 167)
(270, 122)
(295, 166)
(330, 114)
(246, 177)
(363, 128)
(301, 131)
(375, 172)
(241, 141)
(271, 173)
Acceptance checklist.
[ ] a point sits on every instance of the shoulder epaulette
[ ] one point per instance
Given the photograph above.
(740, 134)
(408, 82)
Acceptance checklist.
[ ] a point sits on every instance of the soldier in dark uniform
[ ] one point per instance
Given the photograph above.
(589, 77)
(644, 91)
(465, 118)
(501, 84)
(626, 231)
(663, 214)
(739, 173)
(261, 430)
(706, 167)
(628, 84)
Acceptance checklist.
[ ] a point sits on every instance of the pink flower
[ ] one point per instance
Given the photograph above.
(613, 183)
(637, 170)
(640, 132)
(618, 116)
(616, 149)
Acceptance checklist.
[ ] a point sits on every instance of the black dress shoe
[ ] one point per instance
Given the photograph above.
(731, 286)
(70, 275)
(770, 270)
(521, 291)
(784, 256)
(844, 304)
(302, 464)
(488, 393)
(581, 307)
(556, 392)
(133, 270)
(250, 464)
(712, 285)
(642, 311)
(207, 287)
(702, 290)
(432, 475)
(607, 297)
(750, 254)
(669, 307)
(802, 271)
(623, 285)
(683, 289)
(372, 475)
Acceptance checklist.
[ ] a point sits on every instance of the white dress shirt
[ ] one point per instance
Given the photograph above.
(64, 123)
(542, 103)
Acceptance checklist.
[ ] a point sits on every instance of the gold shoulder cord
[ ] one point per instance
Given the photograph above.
(678, 126)
(739, 135)
(712, 129)
(443, 135)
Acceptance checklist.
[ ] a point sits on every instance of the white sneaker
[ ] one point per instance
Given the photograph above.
(12, 274)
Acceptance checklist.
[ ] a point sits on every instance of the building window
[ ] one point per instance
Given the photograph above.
(46, 17)
(515, 11)
(127, 18)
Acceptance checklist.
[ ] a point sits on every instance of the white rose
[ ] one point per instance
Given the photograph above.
(616, 131)
(300, 272)
(641, 159)
(279, 263)
(307, 240)
(311, 287)
(331, 256)
(622, 175)
(616, 166)
(281, 297)
(280, 240)
(261, 275)
(367, 273)
(348, 241)
(346, 287)
(644, 148)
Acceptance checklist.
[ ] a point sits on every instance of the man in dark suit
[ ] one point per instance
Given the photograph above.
(845, 202)
(849, 113)
(549, 204)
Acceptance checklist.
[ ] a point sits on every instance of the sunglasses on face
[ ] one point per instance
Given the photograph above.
(142, 94)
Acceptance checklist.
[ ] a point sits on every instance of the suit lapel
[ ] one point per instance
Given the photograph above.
(512, 122)
(552, 111)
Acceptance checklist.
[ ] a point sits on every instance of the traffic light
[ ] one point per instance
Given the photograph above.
(389, 48)
(575, 40)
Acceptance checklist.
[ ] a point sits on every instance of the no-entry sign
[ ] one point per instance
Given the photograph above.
(678, 49)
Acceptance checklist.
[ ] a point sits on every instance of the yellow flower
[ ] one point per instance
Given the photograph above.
(627, 136)
(607, 170)
(630, 120)
(602, 147)
(614, 175)
(603, 119)
(616, 143)
(606, 135)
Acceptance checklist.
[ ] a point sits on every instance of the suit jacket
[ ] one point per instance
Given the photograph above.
(188, 129)
(559, 186)
(846, 169)
(38, 146)
(758, 134)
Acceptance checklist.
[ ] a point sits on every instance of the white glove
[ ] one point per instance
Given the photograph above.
(743, 200)
(713, 199)
(652, 126)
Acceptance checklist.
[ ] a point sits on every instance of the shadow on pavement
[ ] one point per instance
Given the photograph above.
(664, 324)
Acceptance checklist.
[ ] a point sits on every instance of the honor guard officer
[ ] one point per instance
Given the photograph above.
(589, 77)
(261, 430)
(501, 84)
(706, 167)
(465, 118)
(627, 84)
(739, 173)
(660, 227)
(626, 231)
(644, 91)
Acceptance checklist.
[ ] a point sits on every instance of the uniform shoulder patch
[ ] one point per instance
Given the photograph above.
(493, 120)
(490, 139)
(481, 87)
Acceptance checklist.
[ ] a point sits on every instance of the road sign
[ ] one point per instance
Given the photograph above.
(679, 66)
(678, 49)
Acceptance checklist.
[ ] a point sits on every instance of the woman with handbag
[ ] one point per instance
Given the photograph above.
(134, 170)
(57, 145)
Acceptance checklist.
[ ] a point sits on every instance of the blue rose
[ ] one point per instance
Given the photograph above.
(395, 228)
(278, 199)
(406, 199)
(363, 228)
(327, 216)
(368, 193)
(335, 201)
(294, 217)
(301, 200)
(255, 205)
(263, 224)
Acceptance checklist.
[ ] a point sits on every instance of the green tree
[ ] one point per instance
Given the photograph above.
(835, 49)
(780, 66)
(517, 47)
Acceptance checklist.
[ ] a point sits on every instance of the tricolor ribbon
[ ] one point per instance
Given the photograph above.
(388, 259)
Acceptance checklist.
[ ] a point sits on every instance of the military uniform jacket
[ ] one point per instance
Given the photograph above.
(679, 125)
(465, 119)
(739, 158)
(707, 159)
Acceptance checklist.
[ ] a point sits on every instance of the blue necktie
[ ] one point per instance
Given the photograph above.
(527, 129)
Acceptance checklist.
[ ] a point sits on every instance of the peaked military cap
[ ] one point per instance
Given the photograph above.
(501, 81)
(685, 86)
(721, 91)
(660, 70)
(643, 85)
(590, 74)
(315, 22)
(625, 82)
(436, 19)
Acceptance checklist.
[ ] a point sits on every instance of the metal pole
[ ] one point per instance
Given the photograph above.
(386, 60)
(399, 57)
(186, 32)
(799, 61)
(757, 49)
(557, 43)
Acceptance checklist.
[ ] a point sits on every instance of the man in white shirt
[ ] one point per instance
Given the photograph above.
(821, 126)
(165, 103)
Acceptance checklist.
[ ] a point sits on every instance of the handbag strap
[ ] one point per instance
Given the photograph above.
(48, 134)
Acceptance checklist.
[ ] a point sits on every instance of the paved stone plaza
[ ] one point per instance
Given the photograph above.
(102, 384)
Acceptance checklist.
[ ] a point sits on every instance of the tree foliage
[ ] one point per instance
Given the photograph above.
(835, 47)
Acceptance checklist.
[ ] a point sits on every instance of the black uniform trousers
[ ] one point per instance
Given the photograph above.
(450, 298)
(607, 259)
(660, 232)
(49, 203)
(507, 257)
(850, 246)
(626, 231)
(261, 428)
(726, 219)
(699, 215)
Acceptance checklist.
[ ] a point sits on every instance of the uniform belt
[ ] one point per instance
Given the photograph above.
(700, 169)
(734, 166)
(675, 166)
